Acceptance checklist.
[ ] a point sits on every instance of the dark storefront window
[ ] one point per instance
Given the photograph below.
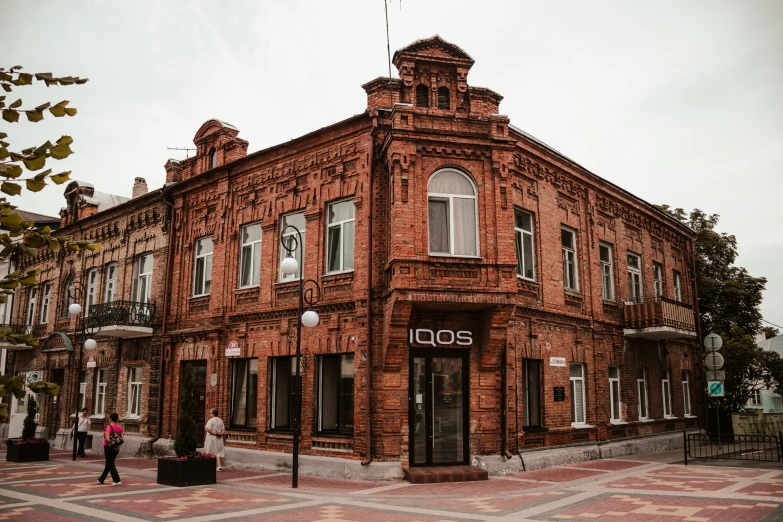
(335, 394)
(283, 392)
(244, 393)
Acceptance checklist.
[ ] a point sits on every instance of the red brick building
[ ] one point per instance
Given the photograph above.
(481, 293)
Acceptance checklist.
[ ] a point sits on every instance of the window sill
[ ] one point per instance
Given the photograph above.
(287, 281)
(96, 416)
(581, 426)
(611, 302)
(453, 256)
(669, 417)
(575, 294)
(617, 422)
(241, 429)
(690, 417)
(646, 420)
(200, 296)
(332, 436)
(526, 279)
(243, 289)
(336, 273)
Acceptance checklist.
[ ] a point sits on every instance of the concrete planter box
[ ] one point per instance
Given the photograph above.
(27, 452)
(181, 473)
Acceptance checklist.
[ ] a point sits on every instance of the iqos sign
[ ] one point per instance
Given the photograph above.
(440, 337)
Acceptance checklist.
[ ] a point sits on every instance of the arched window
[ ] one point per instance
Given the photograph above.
(65, 301)
(422, 96)
(212, 158)
(452, 214)
(444, 101)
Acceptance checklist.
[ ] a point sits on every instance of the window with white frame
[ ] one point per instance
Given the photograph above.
(111, 283)
(666, 378)
(100, 392)
(143, 281)
(93, 287)
(641, 388)
(291, 239)
(339, 236)
(614, 394)
(686, 392)
(282, 386)
(335, 394)
(452, 213)
(755, 397)
(570, 268)
(523, 231)
(244, 393)
(634, 277)
(202, 272)
(82, 390)
(212, 158)
(578, 407)
(31, 302)
(65, 298)
(250, 256)
(658, 279)
(134, 391)
(607, 271)
(677, 286)
(43, 316)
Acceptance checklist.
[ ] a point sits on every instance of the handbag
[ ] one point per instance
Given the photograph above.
(115, 439)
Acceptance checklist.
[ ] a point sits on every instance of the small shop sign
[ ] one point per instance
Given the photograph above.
(560, 362)
(232, 350)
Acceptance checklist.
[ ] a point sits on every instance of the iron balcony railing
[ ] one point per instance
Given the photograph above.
(125, 313)
(35, 330)
(658, 311)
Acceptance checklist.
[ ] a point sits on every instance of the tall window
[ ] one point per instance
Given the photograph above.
(686, 391)
(335, 393)
(339, 236)
(658, 279)
(614, 393)
(422, 96)
(143, 278)
(532, 392)
(244, 393)
(607, 271)
(250, 257)
(65, 299)
(134, 392)
(283, 392)
(641, 388)
(202, 273)
(82, 390)
(523, 229)
(100, 393)
(578, 394)
(43, 316)
(290, 239)
(31, 306)
(570, 275)
(111, 283)
(677, 286)
(452, 214)
(212, 158)
(93, 287)
(666, 378)
(755, 397)
(444, 100)
(634, 277)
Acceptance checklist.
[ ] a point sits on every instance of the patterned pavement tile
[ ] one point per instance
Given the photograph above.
(123, 463)
(347, 514)
(60, 488)
(707, 471)
(39, 472)
(185, 502)
(767, 487)
(639, 508)
(28, 513)
(319, 483)
(673, 484)
(609, 464)
(489, 505)
(493, 486)
(4, 464)
(558, 474)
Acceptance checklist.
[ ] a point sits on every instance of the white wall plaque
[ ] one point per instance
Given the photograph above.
(557, 361)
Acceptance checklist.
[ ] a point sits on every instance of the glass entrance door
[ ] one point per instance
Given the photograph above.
(438, 407)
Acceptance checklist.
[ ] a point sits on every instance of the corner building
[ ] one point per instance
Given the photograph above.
(480, 293)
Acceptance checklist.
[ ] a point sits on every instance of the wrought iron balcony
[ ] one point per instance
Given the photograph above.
(126, 319)
(658, 318)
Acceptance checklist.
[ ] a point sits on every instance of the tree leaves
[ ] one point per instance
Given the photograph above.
(11, 188)
(10, 116)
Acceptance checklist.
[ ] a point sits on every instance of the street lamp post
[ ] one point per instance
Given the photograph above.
(311, 295)
(89, 328)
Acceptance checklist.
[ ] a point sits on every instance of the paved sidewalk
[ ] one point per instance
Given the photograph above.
(637, 489)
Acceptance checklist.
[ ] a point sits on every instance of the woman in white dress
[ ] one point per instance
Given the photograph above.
(213, 442)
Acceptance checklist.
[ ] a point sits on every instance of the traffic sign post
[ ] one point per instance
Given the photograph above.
(716, 389)
(714, 361)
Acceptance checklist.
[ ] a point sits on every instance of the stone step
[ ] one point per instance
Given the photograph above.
(436, 474)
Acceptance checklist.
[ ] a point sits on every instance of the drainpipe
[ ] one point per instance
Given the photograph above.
(368, 415)
(504, 394)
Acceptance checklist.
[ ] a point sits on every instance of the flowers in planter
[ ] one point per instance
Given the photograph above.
(194, 456)
(33, 440)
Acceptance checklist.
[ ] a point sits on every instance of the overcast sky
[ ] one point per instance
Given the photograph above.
(677, 102)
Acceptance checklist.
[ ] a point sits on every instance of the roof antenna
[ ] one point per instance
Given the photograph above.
(388, 49)
(187, 151)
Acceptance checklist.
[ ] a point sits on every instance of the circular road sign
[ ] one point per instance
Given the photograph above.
(713, 342)
(714, 361)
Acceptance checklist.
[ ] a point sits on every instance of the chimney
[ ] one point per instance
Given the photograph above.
(139, 187)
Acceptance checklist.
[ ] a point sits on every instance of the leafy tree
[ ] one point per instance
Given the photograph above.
(19, 237)
(769, 332)
(28, 431)
(186, 442)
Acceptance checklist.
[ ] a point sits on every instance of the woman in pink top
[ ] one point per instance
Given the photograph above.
(110, 452)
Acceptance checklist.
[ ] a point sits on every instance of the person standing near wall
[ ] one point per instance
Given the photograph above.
(83, 427)
(213, 442)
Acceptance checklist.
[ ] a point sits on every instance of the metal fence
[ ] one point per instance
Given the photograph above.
(759, 448)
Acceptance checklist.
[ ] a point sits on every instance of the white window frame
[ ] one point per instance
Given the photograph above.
(641, 388)
(607, 272)
(300, 249)
(570, 261)
(686, 392)
(666, 390)
(575, 421)
(110, 293)
(615, 416)
(32, 301)
(755, 397)
(206, 260)
(449, 198)
(254, 246)
(145, 277)
(135, 383)
(634, 278)
(520, 236)
(677, 286)
(341, 224)
(100, 391)
(82, 390)
(93, 288)
(658, 279)
(43, 315)
(65, 301)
